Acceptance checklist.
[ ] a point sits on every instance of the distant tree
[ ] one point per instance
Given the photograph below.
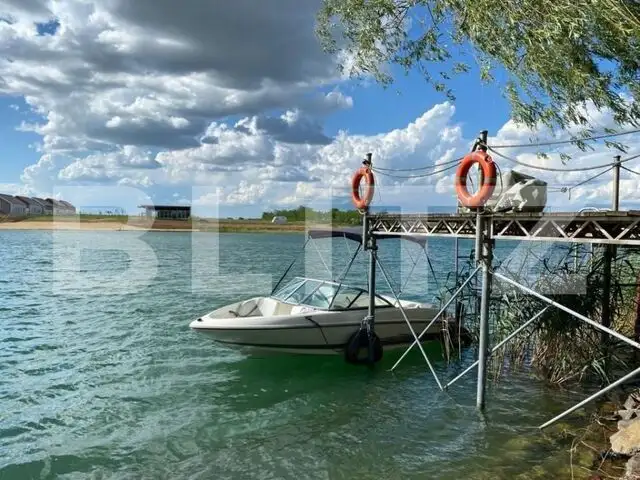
(558, 55)
(302, 214)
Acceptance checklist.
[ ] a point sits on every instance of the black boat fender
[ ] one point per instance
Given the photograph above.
(358, 342)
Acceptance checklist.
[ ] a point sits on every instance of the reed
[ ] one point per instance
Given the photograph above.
(560, 348)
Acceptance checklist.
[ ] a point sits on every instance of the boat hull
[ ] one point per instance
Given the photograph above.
(317, 333)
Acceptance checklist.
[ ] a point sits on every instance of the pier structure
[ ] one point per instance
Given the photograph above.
(610, 228)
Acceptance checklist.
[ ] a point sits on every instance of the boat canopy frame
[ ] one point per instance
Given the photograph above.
(304, 301)
(353, 234)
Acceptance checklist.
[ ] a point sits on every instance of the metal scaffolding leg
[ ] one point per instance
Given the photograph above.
(433, 320)
(499, 345)
(371, 317)
(484, 243)
(456, 253)
(404, 314)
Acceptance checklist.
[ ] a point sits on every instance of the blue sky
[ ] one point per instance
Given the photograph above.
(16, 151)
(126, 102)
(376, 110)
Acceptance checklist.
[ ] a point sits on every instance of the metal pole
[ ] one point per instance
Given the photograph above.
(369, 243)
(592, 397)
(613, 333)
(499, 345)
(606, 291)
(484, 134)
(616, 184)
(456, 254)
(486, 245)
(609, 254)
(483, 137)
(478, 246)
(433, 320)
(371, 325)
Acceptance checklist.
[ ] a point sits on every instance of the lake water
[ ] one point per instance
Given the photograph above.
(100, 376)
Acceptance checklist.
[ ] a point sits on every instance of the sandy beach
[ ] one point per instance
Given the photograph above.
(140, 224)
(109, 226)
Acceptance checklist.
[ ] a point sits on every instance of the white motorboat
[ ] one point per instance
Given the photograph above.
(313, 316)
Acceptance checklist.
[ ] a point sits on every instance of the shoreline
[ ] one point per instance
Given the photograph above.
(139, 225)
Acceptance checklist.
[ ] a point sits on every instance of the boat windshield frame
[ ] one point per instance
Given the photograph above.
(300, 282)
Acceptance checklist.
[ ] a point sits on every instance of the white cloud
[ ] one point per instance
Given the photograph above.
(16, 189)
(230, 96)
(596, 191)
(152, 73)
(111, 75)
(127, 166)
(209, 199)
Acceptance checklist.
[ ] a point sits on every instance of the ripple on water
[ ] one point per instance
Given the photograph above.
(117, 386)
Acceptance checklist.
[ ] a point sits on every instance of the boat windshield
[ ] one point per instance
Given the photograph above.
(325, 295)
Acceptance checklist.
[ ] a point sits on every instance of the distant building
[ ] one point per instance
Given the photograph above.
(20, 205)
(167, 212)
(280, 220)
(55, 205)
(60, 207)
(33, 206)
(40, 202)
(11, 206)
(47, 207)
(70, 209)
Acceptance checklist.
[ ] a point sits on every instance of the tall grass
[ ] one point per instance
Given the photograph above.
(558, 347)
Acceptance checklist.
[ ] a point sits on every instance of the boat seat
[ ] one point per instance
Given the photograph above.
(270, 307)
(247, 309)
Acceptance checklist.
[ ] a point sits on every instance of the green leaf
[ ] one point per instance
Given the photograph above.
(558, 56)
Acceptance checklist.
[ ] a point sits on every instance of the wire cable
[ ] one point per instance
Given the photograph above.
(565, 188)
(426, 167)
(423, 175)
(630, 171)
(564, 142)
(590, 178)
(551, 169)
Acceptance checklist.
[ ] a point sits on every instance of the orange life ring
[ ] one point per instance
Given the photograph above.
(488, 169)
(362, 203)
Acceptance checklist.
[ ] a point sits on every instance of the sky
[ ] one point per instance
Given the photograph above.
(233, 108)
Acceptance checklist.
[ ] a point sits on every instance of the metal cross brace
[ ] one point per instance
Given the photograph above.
(404, 314)
(590, 322)
(499, 345)
(438, 315)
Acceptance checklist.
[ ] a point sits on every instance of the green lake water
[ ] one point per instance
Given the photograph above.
(100, 376)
